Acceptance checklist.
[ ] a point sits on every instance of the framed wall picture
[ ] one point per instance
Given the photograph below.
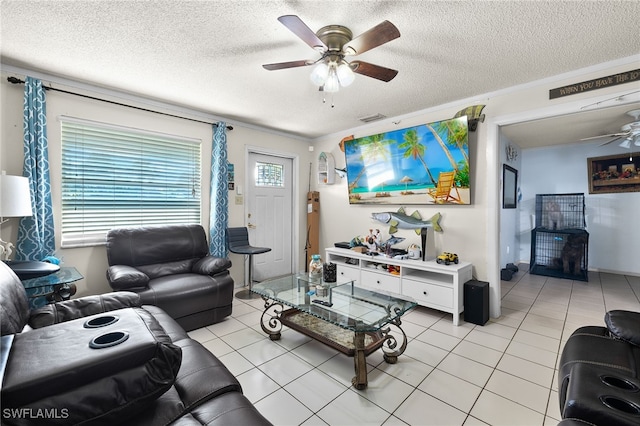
(509, 187)
(424, 164)
(613, 173)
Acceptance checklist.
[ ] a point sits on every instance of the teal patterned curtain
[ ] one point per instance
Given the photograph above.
(219, 210)
(36, 239)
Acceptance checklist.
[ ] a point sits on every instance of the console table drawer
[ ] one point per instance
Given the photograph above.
(348, 273)
(380, 281)
(428, 293)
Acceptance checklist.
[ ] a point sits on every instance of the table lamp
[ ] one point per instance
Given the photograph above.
(15, 201)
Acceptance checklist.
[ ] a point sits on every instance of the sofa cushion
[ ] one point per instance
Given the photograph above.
(14, 307)
(202, 377)
(151, 245)
(124, 277)
(624, 325)
(64, 366)
(170, 326)
(184, 294)
(211, 265)
(78, 308)
(163, 269)
(229, 409)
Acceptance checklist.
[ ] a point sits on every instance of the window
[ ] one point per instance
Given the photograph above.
(268, 174)
(117, 177)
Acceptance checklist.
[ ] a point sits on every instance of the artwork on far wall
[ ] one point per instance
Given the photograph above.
(425, 164)
(509, 187)
(614, 173)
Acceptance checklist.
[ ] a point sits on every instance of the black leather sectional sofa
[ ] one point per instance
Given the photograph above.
(107, 360)
(598, 375)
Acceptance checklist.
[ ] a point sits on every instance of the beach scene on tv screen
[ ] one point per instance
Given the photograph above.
(425, 164)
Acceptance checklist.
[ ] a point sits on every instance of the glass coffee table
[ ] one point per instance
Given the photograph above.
(350, 319)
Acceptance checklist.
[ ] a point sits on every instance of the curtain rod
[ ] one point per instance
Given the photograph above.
(15, 80)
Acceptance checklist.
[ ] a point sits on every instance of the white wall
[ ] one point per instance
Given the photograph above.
(509, 218)
(612, 219)
(91, 262)
(474, 231)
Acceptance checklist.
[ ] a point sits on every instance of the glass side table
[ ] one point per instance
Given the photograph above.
(53, 287)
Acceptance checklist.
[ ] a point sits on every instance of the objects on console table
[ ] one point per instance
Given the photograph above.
(315, 268)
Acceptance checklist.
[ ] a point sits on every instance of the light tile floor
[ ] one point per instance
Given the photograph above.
(502, 373)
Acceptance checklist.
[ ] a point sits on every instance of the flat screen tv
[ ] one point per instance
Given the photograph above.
(425, 164)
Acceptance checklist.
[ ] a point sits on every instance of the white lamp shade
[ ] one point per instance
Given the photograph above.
(332, 84)
(345, 74)
(319, 74)
(15, 196)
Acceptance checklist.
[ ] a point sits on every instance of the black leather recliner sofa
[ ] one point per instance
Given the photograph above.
(107, 360)
(170, 267)
(598, 374)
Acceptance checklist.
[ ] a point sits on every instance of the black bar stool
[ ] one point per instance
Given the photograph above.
(238, 242)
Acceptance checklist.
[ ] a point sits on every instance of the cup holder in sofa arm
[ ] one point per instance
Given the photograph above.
(101, 321)
(108, 340)
(619, 382)
(620, 404)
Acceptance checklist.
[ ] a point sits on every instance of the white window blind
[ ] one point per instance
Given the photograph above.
(120, 177)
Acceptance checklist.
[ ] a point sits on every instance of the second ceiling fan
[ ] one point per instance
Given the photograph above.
(629, 133)
(335, 43)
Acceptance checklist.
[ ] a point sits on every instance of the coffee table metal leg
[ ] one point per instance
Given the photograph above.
(360, 362)
(392, 348)
(270, 320)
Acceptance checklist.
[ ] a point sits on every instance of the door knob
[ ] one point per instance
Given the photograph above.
(251, 225)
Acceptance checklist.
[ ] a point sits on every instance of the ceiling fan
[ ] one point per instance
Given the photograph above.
(335, 42)
(629, 133)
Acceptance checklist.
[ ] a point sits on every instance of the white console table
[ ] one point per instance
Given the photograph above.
(433, 285)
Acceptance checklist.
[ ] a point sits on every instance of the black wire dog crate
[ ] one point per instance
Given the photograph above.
(560, 253)
(560, 211)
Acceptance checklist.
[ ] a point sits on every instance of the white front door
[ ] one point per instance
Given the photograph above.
(270, 213)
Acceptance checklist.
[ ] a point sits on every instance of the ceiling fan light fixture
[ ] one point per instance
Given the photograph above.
(345, 74)
(626, 143)
(320, 74)
(332, 84)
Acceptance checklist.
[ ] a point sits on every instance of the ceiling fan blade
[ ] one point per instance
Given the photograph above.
(283, 65)
(610, 141)
(374, 71)
(612, 135)
(299, 28)
(374, 37)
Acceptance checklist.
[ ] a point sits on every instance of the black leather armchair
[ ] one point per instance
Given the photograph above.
(170, 267)
(599, 373)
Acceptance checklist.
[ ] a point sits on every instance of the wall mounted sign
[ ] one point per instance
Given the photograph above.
(598, 83)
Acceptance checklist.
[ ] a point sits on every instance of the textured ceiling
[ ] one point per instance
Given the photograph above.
(208, 55)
